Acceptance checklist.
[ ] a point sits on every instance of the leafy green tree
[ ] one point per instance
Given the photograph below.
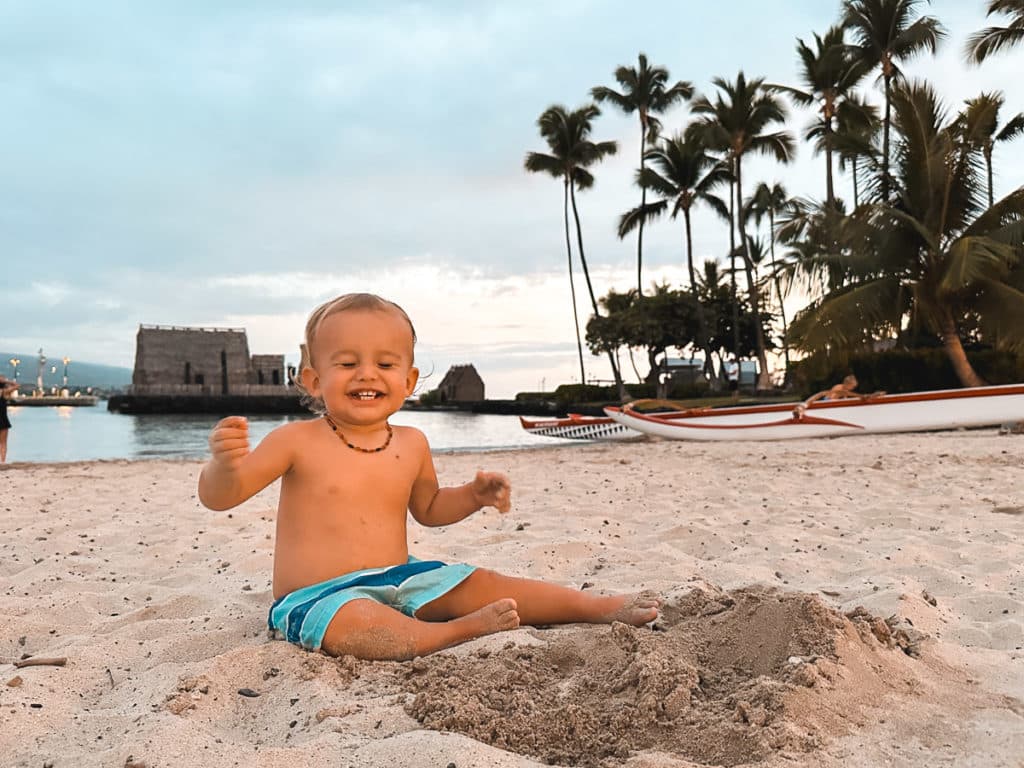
(990, 40)
(830, 73)
(887, 33)
(572, 152)
(664, 319)
(979, 125)
(937, 255)
(646, 91)
(718, 304)
(737, 122)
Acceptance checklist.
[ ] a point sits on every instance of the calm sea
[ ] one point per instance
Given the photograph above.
(66, 433)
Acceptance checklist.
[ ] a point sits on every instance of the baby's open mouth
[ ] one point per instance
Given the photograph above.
(366, 394)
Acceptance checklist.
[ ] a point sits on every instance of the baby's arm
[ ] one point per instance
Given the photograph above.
(432, 505)
(233, 473)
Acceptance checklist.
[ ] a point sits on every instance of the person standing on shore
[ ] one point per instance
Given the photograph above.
(7, 388)
(732, 374)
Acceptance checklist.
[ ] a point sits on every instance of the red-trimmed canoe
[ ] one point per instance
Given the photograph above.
(912, 412)
(577, 427)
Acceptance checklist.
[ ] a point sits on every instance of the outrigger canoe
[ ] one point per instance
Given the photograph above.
(577, 427)
(912, 412)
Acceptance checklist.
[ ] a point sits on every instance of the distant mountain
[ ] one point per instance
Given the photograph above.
(80, 375)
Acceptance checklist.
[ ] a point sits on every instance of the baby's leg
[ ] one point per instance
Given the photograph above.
(539, 602)
(369, 630)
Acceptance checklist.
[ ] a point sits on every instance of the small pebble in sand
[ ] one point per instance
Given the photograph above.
(249, 692)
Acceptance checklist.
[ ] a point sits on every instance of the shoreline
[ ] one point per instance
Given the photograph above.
(926, 529)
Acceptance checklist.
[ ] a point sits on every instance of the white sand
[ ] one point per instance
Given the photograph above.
(159, 605)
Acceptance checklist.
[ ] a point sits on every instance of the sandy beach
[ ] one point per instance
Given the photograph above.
(847, 602)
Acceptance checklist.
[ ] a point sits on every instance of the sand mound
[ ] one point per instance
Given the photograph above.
(724, 682)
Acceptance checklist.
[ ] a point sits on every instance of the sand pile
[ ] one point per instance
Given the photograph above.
(714, 684)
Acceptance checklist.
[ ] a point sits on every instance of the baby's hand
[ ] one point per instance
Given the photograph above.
(492, 489)
(229, 441)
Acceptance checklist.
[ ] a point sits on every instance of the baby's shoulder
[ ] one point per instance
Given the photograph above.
(294, 431)
(412, 437)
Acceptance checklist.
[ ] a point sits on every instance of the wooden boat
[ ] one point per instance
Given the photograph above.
(577, 427)
(912, 412)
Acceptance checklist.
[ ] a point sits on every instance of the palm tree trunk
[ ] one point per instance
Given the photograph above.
(619, 385)
(732, 262)
(988, 168)
(702, 323)
(885, 137)
(856, 197)
(778, 290)
(643, 203)
(830, 194)
(755, 309)
(955, 352)
(572, 285)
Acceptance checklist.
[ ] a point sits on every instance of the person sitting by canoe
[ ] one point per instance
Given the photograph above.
(844, 390)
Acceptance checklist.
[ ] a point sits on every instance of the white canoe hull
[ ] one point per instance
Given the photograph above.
(914, 412)
(576, 427)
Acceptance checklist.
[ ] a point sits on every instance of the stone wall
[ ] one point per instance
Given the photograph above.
(207, 360)
(268, 370)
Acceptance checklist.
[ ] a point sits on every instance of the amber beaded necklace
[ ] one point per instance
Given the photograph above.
(338, 432)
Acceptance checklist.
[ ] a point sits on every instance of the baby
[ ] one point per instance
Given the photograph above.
(344, 580)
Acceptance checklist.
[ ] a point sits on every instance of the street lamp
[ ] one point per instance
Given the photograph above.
(15, 362)
(66, 361)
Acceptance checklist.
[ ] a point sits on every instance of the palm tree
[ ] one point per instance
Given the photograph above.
(988, 41)
(682, 173)
(979, 124)
(886, 33)
(737, 123)
(940, 256)
(855, 141)
(645, 90)
(830, 73)
(770, 201)
(572, 152)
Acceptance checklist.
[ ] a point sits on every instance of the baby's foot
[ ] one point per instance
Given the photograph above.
(496, 617)
(636, 610)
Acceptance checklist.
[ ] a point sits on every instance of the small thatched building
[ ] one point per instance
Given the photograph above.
(462, 383)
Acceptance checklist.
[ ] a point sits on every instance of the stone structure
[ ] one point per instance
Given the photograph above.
(171, 360)
(462, 383)
(269, 369)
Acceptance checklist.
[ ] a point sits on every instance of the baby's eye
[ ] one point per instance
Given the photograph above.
(386, 365)
(344, 364)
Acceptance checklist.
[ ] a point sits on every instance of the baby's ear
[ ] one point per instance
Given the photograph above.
(310, 381)
(411, 379)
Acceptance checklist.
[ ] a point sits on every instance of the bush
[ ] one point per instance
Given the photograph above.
(904, 370)
(433, 397)
(585, 393)
(533, 396)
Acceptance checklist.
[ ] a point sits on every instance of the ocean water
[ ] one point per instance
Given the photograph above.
(65, 433)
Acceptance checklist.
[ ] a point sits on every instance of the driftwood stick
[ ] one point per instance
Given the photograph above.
(41, 662)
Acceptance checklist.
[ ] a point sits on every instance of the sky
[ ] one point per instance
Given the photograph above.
(234, 164)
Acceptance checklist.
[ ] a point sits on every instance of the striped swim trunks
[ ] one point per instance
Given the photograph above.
(302, 616)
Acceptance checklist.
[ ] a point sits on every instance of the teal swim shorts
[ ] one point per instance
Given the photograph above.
(303, 615)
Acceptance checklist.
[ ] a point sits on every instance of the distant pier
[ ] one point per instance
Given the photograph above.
(226, 405)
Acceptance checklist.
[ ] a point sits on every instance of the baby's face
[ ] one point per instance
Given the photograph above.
(362, 365)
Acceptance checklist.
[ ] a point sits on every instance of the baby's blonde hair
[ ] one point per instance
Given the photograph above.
(344, 303)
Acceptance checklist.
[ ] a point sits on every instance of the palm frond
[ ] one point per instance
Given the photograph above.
(632, 218)
(849, 319)
(972, 260)
(538, 162)
(1000, 309)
